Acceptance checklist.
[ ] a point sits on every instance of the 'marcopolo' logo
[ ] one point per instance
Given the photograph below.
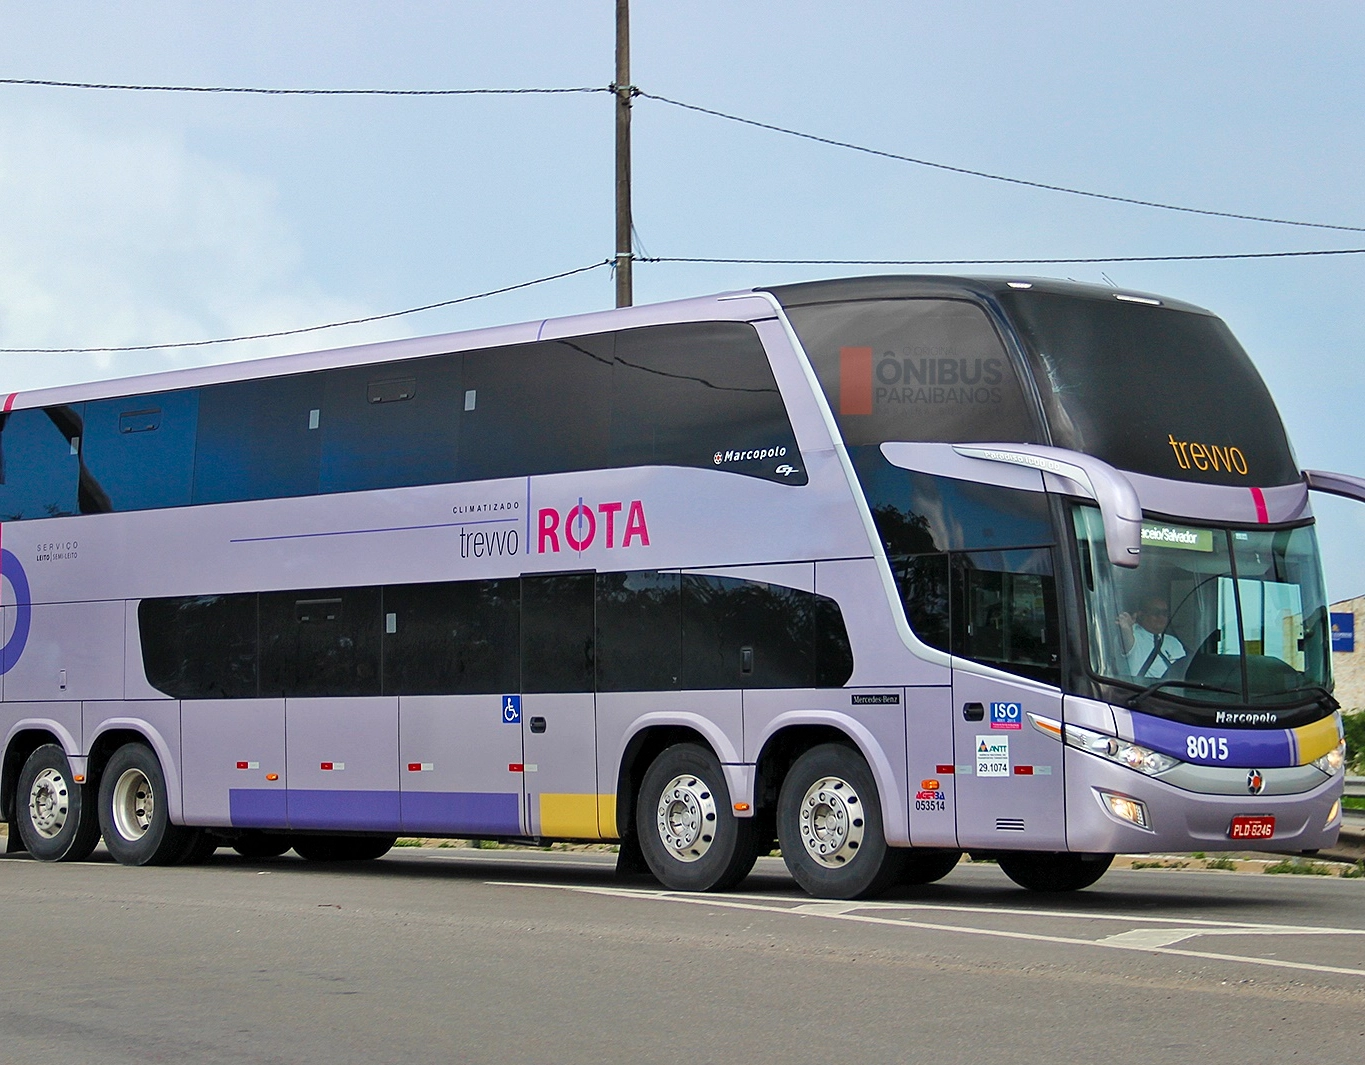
(12, 568)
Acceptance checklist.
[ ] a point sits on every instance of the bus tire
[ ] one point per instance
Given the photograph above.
(1053, 871)
(829, 825)
(688, 831)
(134, 812)
(342, 848)
(199, 848)
(925, 866)
(56, 817)
(261, 844)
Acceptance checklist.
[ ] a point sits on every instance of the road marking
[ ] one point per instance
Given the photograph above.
(734, 902)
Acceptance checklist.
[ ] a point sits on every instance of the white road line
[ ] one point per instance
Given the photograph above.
(734, 903)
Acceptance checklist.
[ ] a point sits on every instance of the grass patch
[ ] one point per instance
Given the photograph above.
(407, 843)
(1353, 802)
(1159, 865)
(1220, 863)
(485, 844)
(1354, 871)
(1299, 867)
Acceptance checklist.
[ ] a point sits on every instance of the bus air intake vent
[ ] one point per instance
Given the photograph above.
(1009, 824)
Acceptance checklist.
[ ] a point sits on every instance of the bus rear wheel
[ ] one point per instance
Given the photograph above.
(261, 844)
(925, 866)
(135, 813)
(1059, 871)
(342, 848)
(688, 831)
(829, 825)
(56, 816)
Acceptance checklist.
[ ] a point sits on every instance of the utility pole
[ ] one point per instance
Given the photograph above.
(623, 90)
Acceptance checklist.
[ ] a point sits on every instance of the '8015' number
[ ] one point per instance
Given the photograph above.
(1208, 748)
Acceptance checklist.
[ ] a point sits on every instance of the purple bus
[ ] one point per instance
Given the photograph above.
(880, 570)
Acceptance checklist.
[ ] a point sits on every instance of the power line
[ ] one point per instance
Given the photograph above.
(1004, 262)
(310, 328)
(994, 177)
(771, 127)
(298, 92)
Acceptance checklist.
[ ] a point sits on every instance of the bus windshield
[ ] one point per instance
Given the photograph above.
(1220, 616)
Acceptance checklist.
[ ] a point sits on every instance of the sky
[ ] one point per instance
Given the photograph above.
(133, 218)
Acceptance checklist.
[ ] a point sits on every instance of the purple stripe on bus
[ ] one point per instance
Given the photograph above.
(257, 808)
(1243, 748)
(471, 813)
(352, 811)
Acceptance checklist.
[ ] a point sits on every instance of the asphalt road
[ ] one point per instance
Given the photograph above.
(478, 956)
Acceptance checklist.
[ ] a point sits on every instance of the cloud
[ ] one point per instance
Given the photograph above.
(115, 237)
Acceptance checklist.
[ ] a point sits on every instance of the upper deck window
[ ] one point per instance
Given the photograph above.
(1152, 389)
(914, 369)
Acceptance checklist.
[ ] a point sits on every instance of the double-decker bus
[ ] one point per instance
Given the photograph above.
(882, 570)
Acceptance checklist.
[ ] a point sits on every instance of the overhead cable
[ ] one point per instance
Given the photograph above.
(1005, 262)
(994, 177)
(310, 328)
(297, 92)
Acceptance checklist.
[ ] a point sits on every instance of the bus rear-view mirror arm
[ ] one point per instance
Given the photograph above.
(1337, 484)
(1120, 507)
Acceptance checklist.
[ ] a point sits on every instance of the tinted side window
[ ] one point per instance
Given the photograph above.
(639, 631)
(200, 647)
(320, 642)
(1006, 611)
(39, 465)
(535, 408)
(746, 634)
(557, 633)
(700, 394)
(390, 425)
(258, 439)
(924, 588)
(138, 452)
(461, 638)
(833, 649)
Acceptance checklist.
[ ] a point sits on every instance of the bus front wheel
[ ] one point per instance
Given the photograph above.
(691, 838)
(829, 824)
(56, 816)
(134, 810)
(1038, 871)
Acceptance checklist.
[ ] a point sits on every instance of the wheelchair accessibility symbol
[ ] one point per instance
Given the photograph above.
(511, 709)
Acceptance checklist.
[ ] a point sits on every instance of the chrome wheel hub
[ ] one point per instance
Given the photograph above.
(48, 803)
(133, 804)
(831, 822)
(686, 818)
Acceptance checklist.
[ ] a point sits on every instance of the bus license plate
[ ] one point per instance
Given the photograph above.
(1252, 828)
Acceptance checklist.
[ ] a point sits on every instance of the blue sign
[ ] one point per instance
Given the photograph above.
(1343, 632)
(511, 709)
(1007, 715)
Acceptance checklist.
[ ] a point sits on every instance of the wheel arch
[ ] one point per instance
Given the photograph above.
(790, 735)
(646, 739)
(114, 733)
(25, 738)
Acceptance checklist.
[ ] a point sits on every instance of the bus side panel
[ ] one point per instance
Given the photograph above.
(157, 721)
(342, 764)
(929, 753)
(231, 748)
(74, 651)
(457, 755)
(63, 720)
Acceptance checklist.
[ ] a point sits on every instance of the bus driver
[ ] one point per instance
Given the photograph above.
(1148, 647)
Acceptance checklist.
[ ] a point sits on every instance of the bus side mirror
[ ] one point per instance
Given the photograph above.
(1086, 475)
(1337, 484)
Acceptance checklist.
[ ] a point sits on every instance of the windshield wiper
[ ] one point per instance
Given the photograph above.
(1320, 695)
(1152, 689)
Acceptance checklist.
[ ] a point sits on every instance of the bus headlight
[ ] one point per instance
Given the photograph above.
(1126, 809)
(1333, 813)
(1133, 755)
(1333, 760)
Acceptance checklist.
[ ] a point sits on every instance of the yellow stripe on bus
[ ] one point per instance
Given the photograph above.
(578, 816)
(1317, 739)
